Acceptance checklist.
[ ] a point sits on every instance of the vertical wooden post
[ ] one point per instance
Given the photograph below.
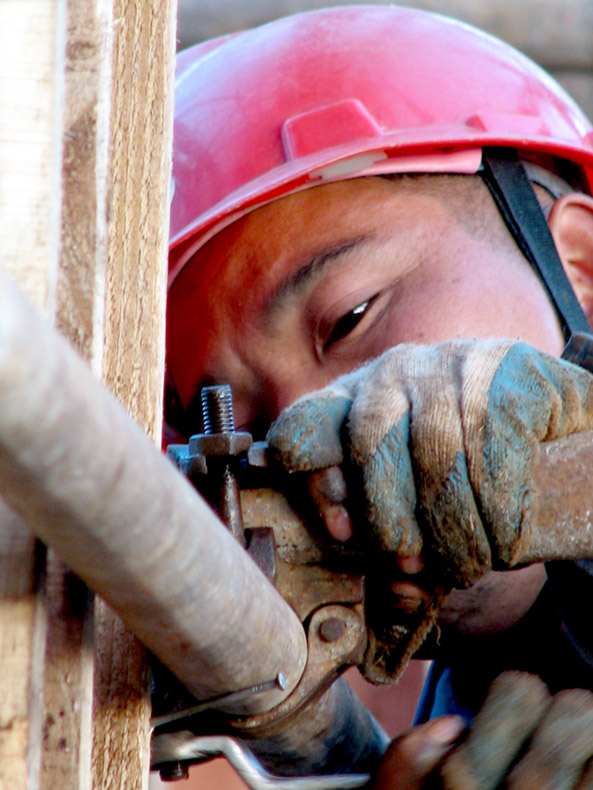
(133, 363)
(85, 98)
(32, 37)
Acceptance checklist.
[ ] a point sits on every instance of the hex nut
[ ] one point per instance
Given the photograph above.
(217, 444)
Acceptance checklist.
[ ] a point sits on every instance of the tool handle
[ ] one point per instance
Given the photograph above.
(560, 521)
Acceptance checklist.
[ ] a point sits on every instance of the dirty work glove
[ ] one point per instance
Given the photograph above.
(524, 738)
(437, 445)
(440, 441)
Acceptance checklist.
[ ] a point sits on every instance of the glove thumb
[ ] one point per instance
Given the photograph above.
(307, 436)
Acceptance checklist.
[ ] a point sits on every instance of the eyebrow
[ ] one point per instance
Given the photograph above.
(310, 267)
(308, 270)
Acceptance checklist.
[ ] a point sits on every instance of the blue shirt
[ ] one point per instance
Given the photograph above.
(554, 640)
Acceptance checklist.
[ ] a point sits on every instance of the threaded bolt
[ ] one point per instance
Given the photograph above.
(217, 409)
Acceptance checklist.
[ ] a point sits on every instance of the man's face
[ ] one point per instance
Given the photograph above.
(313, 285)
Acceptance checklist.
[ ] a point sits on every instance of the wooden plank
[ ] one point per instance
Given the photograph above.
(46, 614)
(121, 738)
(111, 296)
(67, 681)
(31, 66)
(138, 236)
(85, 178)
(79, 306)
(133, 364)
(21, 632)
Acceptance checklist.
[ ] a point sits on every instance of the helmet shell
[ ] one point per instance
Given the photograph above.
(262, 113)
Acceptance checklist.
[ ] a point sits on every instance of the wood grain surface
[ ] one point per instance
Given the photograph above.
(84, 182)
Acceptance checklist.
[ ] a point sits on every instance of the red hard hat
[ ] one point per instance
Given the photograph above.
(262, 113)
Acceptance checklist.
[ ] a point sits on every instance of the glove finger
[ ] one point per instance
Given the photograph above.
(307, 435)
(448, 511)
(408, 441)
(457, 544)
(390, 494)
(532, 398)
(514, 705)
(561, 746)
(379, 429)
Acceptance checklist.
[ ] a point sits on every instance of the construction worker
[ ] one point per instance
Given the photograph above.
(393, 211)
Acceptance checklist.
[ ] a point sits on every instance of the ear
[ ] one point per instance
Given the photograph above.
(571, 224)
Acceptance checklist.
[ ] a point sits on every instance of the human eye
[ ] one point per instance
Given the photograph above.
(347, 325)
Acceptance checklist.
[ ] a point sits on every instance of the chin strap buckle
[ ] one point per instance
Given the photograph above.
(579, 350)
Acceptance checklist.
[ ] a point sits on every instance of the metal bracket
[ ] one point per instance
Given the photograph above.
(186, 748)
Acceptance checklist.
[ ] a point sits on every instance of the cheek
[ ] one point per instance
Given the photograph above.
(194, 343)
(205, 329)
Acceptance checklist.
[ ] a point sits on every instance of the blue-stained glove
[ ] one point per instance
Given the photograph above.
(442, 440)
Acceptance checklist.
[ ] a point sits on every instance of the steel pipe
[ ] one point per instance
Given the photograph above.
(91, 484)
(333, 734)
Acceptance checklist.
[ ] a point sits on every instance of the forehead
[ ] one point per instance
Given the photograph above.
(270, 240)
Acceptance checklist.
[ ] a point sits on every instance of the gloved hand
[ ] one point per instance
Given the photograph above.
(441, 442)
(523, 734)
(522, 738)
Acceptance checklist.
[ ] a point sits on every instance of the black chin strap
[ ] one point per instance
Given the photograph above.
(513, 193)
